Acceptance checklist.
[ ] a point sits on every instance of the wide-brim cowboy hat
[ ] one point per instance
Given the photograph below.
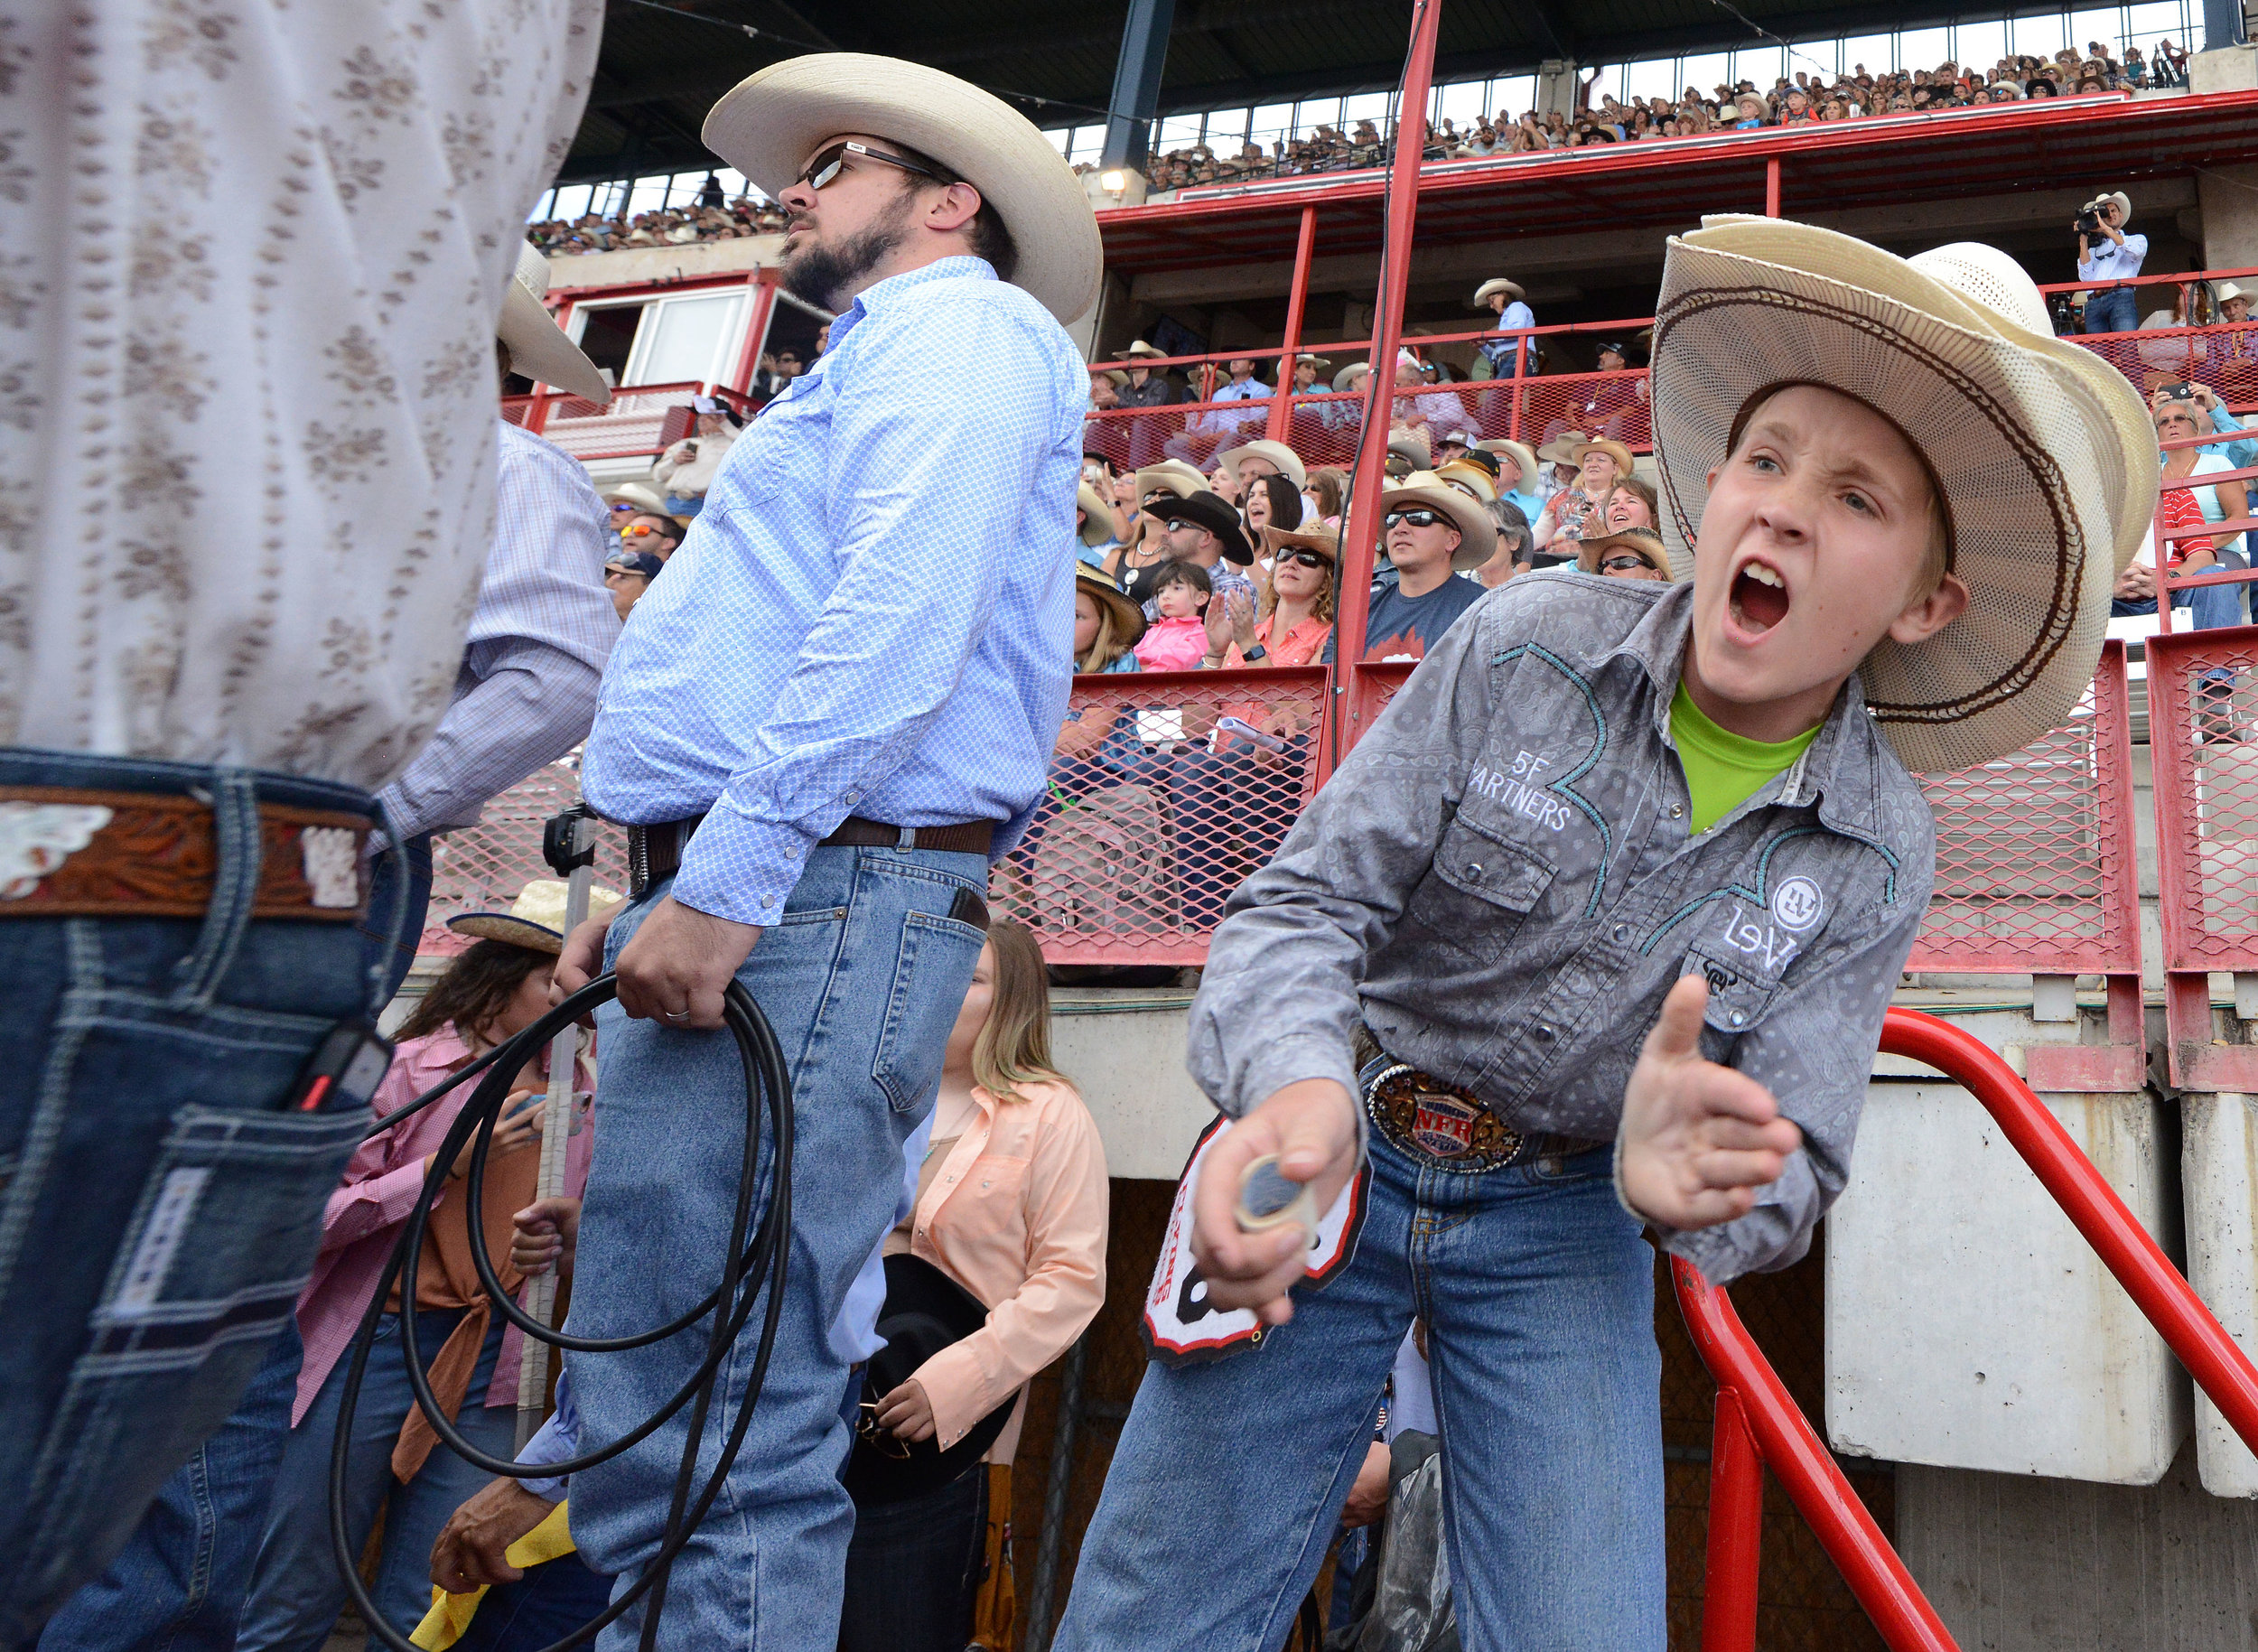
(2042, 453)
(1477, 534)
(1411, 445)
(1210, 510)
(646, 499)
(924, 1311)
(1495, 283)
(1470, 477)
(769, 124)
(1349, 374)
(2124, 201)
(1520, 452)
(1562, 449)
(1173, 475)
(1317, 537)
(2221, 291)
(537, 346)
(1645, 541)
(1624, 462)
(1097, 525)
(536, 920)
(1142, 348)
(1128, 618)
(1288, 462)
(1744, 98)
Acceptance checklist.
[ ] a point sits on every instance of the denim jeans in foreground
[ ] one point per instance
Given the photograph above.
(158, 1215)
(862, 979)
(1538, 1293)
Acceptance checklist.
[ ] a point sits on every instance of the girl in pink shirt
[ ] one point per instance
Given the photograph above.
(1178, 640)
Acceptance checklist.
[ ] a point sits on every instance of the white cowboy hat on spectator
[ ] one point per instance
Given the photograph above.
(2124, 201)
(1519, 453)
(769, 124)
(1097, 523)
(1285, 458)
(1142, 348)
(1495, 283)
(1173, 475)
(1477, 534)
(1624, 462)
(2042, 454)
(635, 494)
(2221, 291)
(536, 920)
(537, 346)
(1305, 359)
(1347, 377)
(1643, 542)
(1746, 100)
(1562, 449)
(1413, 446)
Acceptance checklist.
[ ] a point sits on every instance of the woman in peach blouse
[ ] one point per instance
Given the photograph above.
(1011, 1205)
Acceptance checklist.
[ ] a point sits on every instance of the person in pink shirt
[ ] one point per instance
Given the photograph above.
(1178, 640)
(1011, 1205)
(496, 989)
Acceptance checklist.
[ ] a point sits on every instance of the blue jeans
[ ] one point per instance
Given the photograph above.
(141, 1130)
(2113, 310)
(296, 1592)
(177, 1586)
(1538, 1294)
(397, 877)
(540, 1610)
(862, 979)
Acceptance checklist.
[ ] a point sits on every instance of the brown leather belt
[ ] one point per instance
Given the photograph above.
(1445, 1126)
(655, 852)
(84, 854)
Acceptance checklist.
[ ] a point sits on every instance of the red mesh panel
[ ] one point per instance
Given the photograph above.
(2203, 731)
(482, 869)
(2035, 861)
(2225, 357)
(1157, 810)
(1368, 695)
(634, 423)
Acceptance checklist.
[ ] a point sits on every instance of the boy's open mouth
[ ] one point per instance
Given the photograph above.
(1760, 598)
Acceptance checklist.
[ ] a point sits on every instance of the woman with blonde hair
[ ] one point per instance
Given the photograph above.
(1012, 1207)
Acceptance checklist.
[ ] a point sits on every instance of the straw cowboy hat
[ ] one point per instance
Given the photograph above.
(1348, 376)
(1469, 478)
(1645, 541)
(536, 920)
(635, 494)
(1207, 510)
(1097, 526)
(1495, 283)
(1520, 452)
(1173, 475)
(2124, 201)
(1624, 462)
(1562, 449)
(1319, 362)
(1325, 541)
(1413, 446)
(1287, 462)
(1750, 101)
(1142, 348)
(1128, 618)
(2224, 291)
(537, 346)
(772, 122)
(1477, 534)
(2041, 451)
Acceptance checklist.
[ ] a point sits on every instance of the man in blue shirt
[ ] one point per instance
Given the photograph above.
(2106, 252)
(834, 710)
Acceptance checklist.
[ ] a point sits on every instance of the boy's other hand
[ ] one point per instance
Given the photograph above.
(1311, 1127)
(1698, 1139)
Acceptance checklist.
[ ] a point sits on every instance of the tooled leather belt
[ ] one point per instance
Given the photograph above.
(1444, 1126)
(655, 852)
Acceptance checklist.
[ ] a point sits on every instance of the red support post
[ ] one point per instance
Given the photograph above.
(1357, 543)
(1771, 187)
(761, 288)
(1736, 1531)
(1281, 402)
(544, 398)
(1521, 348)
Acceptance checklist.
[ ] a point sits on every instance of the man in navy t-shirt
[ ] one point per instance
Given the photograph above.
(1431, 530)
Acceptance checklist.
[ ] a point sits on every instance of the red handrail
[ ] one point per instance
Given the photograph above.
(1754, 1405)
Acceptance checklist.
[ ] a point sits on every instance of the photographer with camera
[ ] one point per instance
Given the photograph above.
(2106, 253)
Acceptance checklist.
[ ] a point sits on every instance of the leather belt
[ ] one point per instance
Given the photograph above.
(655, 852)
(1445, 1126)
(71, 852)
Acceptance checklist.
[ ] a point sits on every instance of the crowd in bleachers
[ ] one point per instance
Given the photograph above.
(1802, 100)
(705, 218)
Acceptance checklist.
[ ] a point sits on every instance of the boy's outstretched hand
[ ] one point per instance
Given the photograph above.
(1698, 1139)
(1311, 1126)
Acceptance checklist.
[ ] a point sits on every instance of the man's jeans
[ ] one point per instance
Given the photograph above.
(1538, 1294)
(2113, 310)
(158, 1216)
(862, 979)
(2208, 607)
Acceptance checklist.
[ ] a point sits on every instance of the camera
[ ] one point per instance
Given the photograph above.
(2089, 221)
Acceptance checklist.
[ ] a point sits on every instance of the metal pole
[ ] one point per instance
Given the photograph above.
(1736, 1532)
(1282, 403)
(1137, 82)
(1357, 543)
(540, 1293)
(1771, 187)
(1521, 348)
(1055, 1496)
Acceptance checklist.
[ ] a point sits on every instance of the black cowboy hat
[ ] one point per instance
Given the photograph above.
(926, 1312)
(1208, 511)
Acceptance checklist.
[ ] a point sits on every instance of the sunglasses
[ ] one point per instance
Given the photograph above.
(1303, 559)
(1624, 565)
(621, 507)
(1420, 518)
(826, 165)
(635, 530)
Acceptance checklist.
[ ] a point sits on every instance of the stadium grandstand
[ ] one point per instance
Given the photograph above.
(1974, 1436)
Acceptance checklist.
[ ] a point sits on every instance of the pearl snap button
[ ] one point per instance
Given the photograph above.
(1738, 1018)
(1474, 869)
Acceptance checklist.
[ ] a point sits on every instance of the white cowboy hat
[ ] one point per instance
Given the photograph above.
(1624, 462)
(1097, 526)
(1477, 534)
(1520, 452)
(1287, 462)
(1173, 475)
(1142, 348)
(2124, 201)
(536, 920)
(1562, 449)
(1349, 374)
(1495, 283)
(635, 494)
(1413, 446)
(2221, 291)
(769, 124)
(1641, 541)
(2042, 452)
(537, 346)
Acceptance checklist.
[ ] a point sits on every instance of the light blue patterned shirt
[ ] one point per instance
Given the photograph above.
(873, 614)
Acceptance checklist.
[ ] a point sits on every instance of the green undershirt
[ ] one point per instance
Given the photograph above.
(1723, 769)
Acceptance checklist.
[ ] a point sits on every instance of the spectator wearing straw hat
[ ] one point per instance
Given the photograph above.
(1431, 530)
(1146, 387)
(1092, 525)
(1519, 476)
(1504, 299)
(1599, 464)
(1627, 553)
(626, 500)
(1262, 458)
(2107, 255)
(687, 469)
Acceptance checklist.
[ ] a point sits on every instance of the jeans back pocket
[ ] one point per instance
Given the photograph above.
(932, 969)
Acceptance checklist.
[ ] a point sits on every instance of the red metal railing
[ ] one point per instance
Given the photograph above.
(1759, 1425)
(631, 427)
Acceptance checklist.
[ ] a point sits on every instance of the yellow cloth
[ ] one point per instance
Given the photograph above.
(451, 1614)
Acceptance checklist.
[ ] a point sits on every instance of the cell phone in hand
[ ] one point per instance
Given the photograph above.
(2183, 391)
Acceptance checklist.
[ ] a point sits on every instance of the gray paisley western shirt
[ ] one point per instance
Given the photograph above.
(1499, 881)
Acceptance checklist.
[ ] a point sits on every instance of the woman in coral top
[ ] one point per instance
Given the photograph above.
(1011, 1205)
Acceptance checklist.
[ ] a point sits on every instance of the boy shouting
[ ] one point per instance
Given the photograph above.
(1593, 934)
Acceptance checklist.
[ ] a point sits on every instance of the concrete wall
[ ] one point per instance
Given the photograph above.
(1125, 1052)
(639, 266)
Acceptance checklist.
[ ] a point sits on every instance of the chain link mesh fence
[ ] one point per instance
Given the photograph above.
(2202, 720)
(482, 868)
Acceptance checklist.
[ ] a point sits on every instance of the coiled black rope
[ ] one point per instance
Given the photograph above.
(749, 1265)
